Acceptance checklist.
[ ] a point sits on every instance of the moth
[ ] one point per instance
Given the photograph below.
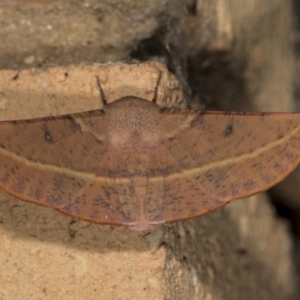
(136, 164)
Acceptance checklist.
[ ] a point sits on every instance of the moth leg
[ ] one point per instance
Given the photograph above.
(102, 95)
(154, 100)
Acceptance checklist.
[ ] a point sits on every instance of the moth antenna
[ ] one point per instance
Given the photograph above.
(103, 99)
(156, 87)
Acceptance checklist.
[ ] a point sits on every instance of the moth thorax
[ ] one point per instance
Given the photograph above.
(133, 122)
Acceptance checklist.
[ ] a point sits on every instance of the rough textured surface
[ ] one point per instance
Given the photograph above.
(64, 32)
(45, 255)
(228, 55)
(64, 90)
(216, 262)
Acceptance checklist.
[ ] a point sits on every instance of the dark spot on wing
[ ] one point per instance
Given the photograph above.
(47, 134)
(209, 177)
(250, 184)
(228, 130)
(51, 199)
(34, 193)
